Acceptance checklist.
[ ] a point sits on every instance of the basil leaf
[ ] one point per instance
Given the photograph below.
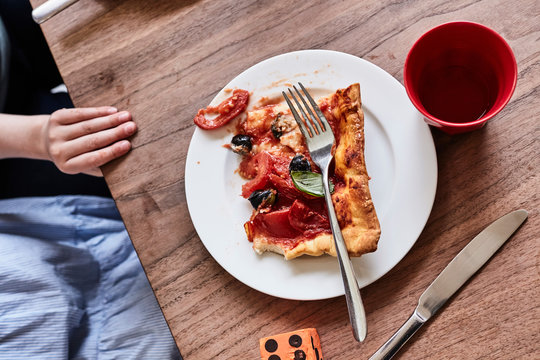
(309, 182)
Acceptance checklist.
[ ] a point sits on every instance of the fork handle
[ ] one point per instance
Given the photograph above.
(355, 306)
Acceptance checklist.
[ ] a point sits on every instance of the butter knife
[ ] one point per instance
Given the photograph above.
(50, 8)
(457, 272)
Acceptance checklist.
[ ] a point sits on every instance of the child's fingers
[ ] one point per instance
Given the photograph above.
(70, 116)
(93, 172)
(91, 126)
(94, 159)
(98, 140)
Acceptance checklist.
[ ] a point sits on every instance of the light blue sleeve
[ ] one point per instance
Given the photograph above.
(72, 286)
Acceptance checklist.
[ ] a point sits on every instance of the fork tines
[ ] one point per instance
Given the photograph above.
(311, 121)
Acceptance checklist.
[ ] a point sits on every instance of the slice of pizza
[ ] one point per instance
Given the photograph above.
(285, 188)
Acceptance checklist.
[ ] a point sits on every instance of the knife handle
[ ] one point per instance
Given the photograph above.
(50, 8)
(392, 346)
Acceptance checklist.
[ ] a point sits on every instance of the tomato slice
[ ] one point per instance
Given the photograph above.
(276, 224)
(307, 220)
(263, 165)
(284, 186)
(227, 110)
(287, 226)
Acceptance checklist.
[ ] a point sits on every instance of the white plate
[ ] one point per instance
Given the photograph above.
(400, 159)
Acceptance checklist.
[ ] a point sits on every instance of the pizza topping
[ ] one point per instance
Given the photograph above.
(277, 225)
(258, 124)
(285, 129)
(277, 131)
(310, 183)
(282, 124)
(299, 163)
(304, 219)
(241, 144)
(308, 220)
(226, 111)
(257, 168)
(293, 140)
(263, 199)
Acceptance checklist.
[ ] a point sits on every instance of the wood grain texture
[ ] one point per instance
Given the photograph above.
(162, 60)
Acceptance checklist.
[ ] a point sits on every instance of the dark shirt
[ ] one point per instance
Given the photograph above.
(32, 74)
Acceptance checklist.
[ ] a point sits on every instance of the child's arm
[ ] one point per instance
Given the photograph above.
(76, 140)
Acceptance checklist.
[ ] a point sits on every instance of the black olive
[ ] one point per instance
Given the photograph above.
(263, 198)
(299, 163)
(241, 144)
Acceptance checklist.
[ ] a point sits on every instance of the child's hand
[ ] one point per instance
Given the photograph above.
(80, 140)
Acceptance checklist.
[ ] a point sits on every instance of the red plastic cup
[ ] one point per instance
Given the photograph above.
(459, 75)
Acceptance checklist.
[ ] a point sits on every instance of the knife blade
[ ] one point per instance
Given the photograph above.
(455, 274)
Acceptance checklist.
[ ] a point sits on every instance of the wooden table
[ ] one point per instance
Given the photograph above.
(163, 60)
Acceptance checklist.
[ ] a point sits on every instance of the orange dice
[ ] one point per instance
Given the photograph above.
(296, 345)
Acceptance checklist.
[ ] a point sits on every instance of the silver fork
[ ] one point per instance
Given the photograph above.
(319, 139)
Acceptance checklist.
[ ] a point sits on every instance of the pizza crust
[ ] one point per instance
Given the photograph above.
(352, 201)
